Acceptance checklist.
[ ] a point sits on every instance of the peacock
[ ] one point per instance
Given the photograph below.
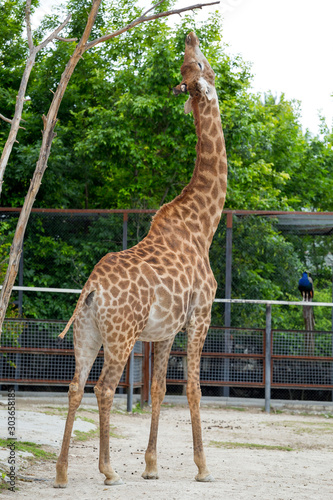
(305, 286)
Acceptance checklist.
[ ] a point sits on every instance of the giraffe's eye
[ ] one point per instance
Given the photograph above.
(200, 65)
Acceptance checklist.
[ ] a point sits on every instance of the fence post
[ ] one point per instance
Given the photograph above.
(130, 382)
(227, 307)
(332, 335)
(125, 221)
(150, 371)
(131, 357)
(20, 294)
(145, 373)
(20, 310)
(268, 358)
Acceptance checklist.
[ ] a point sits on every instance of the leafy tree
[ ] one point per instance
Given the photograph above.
(13, 52)
(123, 141)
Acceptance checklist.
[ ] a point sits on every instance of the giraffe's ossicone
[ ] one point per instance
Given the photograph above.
(159, 287)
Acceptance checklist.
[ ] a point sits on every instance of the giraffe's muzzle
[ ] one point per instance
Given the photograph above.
(180, 89)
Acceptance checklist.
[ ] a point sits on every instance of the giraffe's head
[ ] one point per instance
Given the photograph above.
(198, 76)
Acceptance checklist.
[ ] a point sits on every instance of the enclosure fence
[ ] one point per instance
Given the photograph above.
(255, 255)
(260, 358)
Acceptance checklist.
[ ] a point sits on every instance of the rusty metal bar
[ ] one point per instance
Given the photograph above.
(302, 358)
(43, 350)
(258, 385)
(33, 320)
(222, 355)
(301, 386)
(94, 211)
(54, 382)
(138, 210)
(145, 374)
(227, 306)
(130, 363)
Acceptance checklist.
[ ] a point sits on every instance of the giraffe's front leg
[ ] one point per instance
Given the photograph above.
(105, 388)
(195, 343)
(158, 388)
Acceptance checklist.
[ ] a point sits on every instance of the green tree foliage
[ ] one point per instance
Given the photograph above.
(123, 141)
(13, 53)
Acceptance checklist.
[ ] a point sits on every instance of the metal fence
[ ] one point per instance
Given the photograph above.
(259, 358)
(254, 255)
(32, 354)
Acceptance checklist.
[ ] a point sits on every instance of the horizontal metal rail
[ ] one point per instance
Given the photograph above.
(93, 211)
(223, 355)
(294, 385)
(275, 302)
(218, 383)
(36, 381)
(302, 358)
(47, 350)
(228, 301)
(43, 289)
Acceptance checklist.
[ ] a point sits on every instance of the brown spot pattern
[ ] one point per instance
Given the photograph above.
(153, 290)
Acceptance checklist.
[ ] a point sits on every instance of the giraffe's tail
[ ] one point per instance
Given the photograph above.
(85, 298)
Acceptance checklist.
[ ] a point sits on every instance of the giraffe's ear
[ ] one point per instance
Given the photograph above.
(188, 106)
(209, 90)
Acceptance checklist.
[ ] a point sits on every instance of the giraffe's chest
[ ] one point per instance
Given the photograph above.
(161, 327)
(167, 316)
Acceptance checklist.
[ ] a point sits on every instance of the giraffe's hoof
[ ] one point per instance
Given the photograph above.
(59, 485)
(113, 482)
(150, 475)
(61, 478)
(205, 479)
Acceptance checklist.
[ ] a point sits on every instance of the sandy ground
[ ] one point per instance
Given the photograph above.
(241, 472)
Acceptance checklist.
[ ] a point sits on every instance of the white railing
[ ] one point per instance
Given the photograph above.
(268, 330)
(227, 301)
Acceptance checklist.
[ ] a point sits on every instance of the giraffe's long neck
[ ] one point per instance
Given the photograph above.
(203, 198)
(200, 204)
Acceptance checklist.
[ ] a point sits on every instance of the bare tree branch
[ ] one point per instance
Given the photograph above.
(20, 98)
(152, 8)
(65, 39)
(10, 121)
(28, 23)
(5, 119)
(142, 19)
(48, 136)
(54, 34)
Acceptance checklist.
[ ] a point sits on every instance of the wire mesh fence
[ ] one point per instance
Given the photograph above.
(269, 251)
(31, 354)
(309, 360)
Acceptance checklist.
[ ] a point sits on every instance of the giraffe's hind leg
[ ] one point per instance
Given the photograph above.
(89, 339)
(158, 388)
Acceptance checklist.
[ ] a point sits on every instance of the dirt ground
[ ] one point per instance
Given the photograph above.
(252, 455)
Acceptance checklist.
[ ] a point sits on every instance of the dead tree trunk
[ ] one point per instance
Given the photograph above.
(48, 135)
(20, 98)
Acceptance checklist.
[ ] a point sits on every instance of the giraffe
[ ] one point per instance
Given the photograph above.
(159, 287)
